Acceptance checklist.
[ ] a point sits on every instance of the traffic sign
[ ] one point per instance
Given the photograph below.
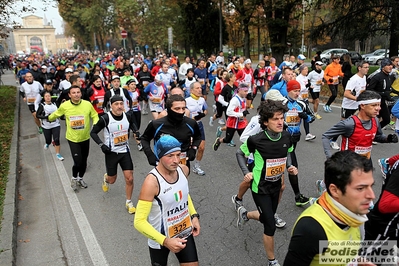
(124, 34)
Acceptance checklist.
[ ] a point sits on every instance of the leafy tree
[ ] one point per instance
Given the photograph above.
(244, 10)
(279, 15)
(360, 19)
(9, 9)
(200, 19)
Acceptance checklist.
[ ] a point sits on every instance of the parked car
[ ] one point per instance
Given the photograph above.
(376, 52)
(326, 55)
(355, 57)
(376, 59)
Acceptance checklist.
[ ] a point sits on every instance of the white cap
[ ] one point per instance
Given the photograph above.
(68, 70)
(248, 61)
(115, 77)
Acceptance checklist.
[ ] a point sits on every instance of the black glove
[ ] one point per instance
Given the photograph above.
(199, 116)
(138, 137)
(191, 154)
(392, 138)
(152, 160)
(308, 85)
(95, 101)
(303, 115)
(105, 149)
(245, 113)
(312, 119)
(330, 80)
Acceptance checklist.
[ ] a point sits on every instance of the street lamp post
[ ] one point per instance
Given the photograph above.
(303, 26)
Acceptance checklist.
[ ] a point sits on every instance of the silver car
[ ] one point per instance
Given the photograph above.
(375, 59)
(326, 55)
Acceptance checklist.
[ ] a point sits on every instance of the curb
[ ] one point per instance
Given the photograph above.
(8, 233)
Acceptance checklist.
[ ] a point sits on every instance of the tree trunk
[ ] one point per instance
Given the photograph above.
(277, 33)
(247, 53)
(187, 47)
(394, 39)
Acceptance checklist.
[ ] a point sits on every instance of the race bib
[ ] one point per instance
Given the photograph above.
(183, 158)
(120, 137)
(100, 102)
(335, 80)
(201, 81)
(364, 151)
(135, 104)
(275, 169)
(318, 82)
(304, 95)
(181, 228)
(77, 121)
(157, 100)
(145, 83)
(31, 99)
(292, 118)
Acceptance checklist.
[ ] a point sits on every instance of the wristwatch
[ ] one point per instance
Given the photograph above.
(195, 215)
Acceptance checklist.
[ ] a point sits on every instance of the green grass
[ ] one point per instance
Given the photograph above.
(7, 103)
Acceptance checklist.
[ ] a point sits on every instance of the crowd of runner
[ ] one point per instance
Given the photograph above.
(111, 92)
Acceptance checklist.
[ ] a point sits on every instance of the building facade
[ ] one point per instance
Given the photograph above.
(35, 35)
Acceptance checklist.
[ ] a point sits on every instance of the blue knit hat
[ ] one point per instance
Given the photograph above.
(165, 145)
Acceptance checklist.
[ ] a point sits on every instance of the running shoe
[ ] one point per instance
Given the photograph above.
(197, 170)
(59, 157)
(221, 121)
(219, 132)
(105, 184)
(325, 107)
(40, 130)
(375, 142)
(241, 217)
(329, 109)
(251, 107)
(384, 166)
(74, 184)
(237, 203)
(231, 144)
(130, 208)
(139, 147)
(320, 187)
(310, 137)
(82, 183)
(280, 223)
(392, 125)
(301, 200)
(334, 145)
(45, 146)
(214, 108)
(216, 144)
(211, 121)
(317, 116)
(273, 263)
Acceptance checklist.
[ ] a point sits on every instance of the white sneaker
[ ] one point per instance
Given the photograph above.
(310, 137)
(334, 145)
(221, 121)
(45, 146)
(211, 121)
(198, 171)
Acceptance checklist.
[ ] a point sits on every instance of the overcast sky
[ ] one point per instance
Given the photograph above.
(48, 10)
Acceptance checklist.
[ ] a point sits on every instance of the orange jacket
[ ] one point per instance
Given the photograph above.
(332, 72)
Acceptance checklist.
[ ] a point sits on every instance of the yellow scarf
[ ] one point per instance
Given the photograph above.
(342, 214)
(194, 97)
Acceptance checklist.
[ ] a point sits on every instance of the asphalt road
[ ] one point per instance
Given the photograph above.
(61, 227)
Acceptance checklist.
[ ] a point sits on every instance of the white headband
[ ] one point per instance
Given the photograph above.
(369, 101)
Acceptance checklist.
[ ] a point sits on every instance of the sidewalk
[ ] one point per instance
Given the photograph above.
(29, 231)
